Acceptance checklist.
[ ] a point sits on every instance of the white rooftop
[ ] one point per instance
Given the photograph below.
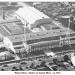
(30, 14)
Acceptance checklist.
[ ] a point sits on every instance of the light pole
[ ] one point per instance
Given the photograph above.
(69, 30)
(25, 44)
(3, 13)
(69, 23)
(2, 6)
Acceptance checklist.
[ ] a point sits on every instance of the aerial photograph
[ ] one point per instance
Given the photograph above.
(37, 36)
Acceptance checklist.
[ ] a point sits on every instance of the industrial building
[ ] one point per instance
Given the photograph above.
(32, 36)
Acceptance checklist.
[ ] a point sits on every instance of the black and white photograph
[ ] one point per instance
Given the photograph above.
(37, 36)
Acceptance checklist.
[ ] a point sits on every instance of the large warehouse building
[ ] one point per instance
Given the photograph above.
(44, 33)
